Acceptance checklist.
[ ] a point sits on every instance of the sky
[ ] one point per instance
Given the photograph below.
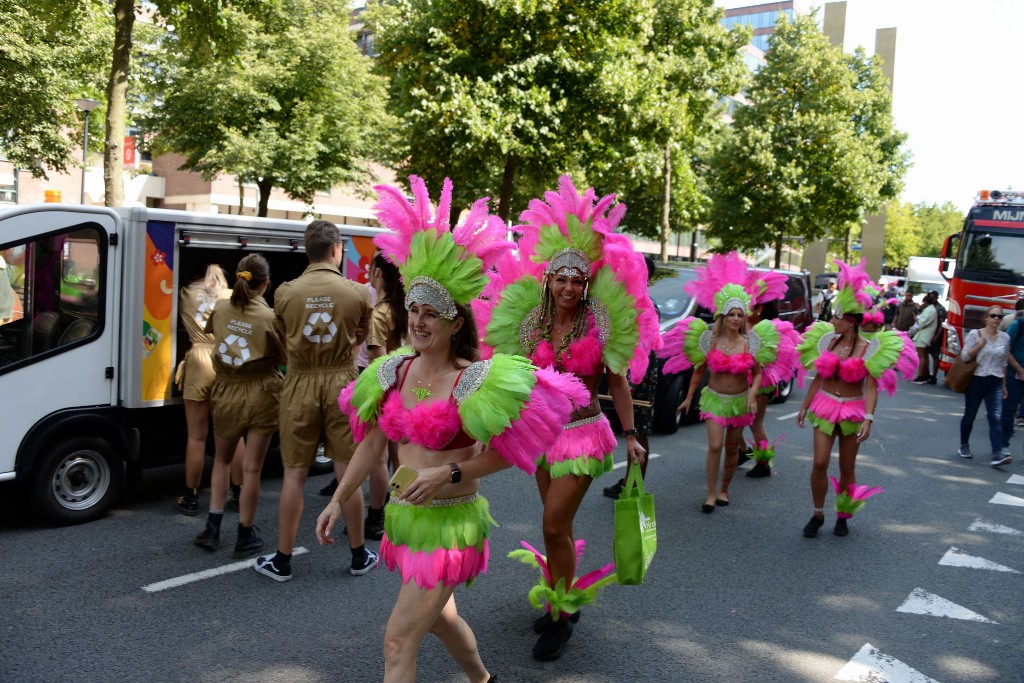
(955, 90)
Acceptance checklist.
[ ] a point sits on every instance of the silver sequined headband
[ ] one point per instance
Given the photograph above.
(734, 302)
(568, 260)
(428, 291)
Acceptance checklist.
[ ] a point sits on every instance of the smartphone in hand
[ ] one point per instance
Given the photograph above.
(402, 479)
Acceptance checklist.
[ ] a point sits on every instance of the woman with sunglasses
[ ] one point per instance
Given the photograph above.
(990, 348)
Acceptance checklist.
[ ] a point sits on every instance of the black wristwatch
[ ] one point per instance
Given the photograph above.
(456, 476)
(629, 432)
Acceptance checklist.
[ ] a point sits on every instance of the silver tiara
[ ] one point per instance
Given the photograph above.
(426, 290)
(734, 302)
(568, 260)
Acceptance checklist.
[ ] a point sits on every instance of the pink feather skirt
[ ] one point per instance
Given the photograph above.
(583, 448)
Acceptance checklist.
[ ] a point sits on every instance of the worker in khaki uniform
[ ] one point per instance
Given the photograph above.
(247, 355)
(195, 376)
(323, 317)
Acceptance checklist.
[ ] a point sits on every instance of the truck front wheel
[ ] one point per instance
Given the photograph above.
(76, 480)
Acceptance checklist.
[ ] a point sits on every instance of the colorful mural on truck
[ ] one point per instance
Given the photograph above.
(158, 302)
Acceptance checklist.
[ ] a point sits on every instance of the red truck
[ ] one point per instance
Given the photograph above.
(984, 265)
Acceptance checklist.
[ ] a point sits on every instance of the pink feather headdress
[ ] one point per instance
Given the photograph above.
(721, 282)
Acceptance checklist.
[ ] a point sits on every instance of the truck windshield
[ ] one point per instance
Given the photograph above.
(995, 256)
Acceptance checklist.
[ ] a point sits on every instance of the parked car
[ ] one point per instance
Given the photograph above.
(674, 304)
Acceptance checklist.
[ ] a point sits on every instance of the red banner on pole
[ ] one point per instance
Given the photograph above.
(129, 150)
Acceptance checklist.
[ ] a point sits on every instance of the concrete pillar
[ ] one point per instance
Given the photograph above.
(873, 233)
(834, 27)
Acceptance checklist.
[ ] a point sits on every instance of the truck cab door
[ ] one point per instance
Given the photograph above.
(58, 345)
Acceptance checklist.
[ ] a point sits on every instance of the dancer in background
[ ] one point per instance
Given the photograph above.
(734, 356)
(840, 403)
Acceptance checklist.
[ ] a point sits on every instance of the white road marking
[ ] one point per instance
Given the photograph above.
(955, 557)
(871, 665)
(652, 456)
(1006, 499)
(788, 417)
(1015, 479)
(993, 528)
(207, 574)
(921, 601)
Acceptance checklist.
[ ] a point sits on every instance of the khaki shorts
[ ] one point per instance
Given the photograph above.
(309, 412)
(245, 405)
(199, 374)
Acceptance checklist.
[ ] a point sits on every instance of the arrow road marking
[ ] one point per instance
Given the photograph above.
(1015, 479)
(955, 557)
(1006, 499)
(921, 601)
(870, 665)
(206, 574)
(992, 528)
(652, 456)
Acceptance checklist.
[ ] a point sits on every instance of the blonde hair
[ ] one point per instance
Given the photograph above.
(214, 281)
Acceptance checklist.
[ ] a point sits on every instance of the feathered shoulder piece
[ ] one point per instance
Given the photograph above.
(809, 347)
(685, 346)
(504, 402)
(720, 285)
(572, 233)
(891, 352)
(440, 267)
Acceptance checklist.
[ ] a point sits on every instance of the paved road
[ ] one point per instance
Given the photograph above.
(738, 595)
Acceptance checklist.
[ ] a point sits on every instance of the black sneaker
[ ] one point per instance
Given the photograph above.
(365, 564)
(841, 528)
(329, 488)
(811, 528)
(552, 642)
(614, 491)
(247, 546)
(759, 470)
(543, 621)
(265, 565)
(188, 505)
(373, 527)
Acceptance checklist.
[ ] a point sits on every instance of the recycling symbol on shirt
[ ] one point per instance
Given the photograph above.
(204, 311)
(234, 350)
(323, 325)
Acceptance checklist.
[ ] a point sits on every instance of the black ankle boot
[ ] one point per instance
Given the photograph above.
(209, 537)
(551, 643)
(248, 542)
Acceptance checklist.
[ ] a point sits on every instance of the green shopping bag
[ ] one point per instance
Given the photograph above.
(636, 535)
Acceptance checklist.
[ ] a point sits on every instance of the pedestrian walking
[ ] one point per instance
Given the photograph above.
(991, 349)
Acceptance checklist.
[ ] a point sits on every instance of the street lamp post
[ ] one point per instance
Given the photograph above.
(86, 105)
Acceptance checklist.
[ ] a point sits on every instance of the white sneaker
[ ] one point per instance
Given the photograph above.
(1000, 459)
(1004, 451)
(965, 452)
(1019, 422)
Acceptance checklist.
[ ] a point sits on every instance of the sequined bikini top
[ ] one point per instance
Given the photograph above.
(435, 425)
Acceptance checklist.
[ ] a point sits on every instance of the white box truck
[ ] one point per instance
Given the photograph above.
(924, 275)
(88, 358)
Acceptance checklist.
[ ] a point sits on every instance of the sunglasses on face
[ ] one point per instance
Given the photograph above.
(996, 316)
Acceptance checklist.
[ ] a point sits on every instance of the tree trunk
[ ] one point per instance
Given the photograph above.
(117, 103)
(507, 183)
(265, 185)
(666, 203)
(778, 251)
(241, 195)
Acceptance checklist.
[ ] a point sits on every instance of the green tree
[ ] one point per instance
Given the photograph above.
(679, 77)
(47, 59)
(503, 95)
(902, 234)
(937, 221)
(813, 153)
(294, 109)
